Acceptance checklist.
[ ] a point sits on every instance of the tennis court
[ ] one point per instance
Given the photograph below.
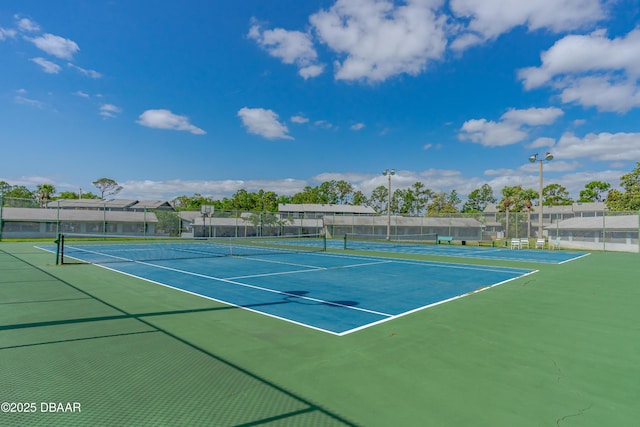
(467, 251)
(333, 293)
(558, 347)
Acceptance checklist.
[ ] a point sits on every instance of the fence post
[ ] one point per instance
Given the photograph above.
(1, 205)
(604, 231)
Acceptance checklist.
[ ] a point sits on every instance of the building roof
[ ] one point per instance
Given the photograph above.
(325, 208)
(109, 204)
(405, 221)
(562, 209)
(611, 223)
(53, 215)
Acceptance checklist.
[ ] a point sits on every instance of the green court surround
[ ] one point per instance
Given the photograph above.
(558, 348)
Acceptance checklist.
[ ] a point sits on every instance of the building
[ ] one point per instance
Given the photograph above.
(44, 222)
(609, 233)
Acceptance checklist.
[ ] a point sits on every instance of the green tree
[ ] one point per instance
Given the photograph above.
(284, 200)
(594, 191)
(20, 192)
(511, 201)
(421, 197)
(44, 193)
(5, 187)
(328, 192)
(379, 199)
(193, 203)
(107, 187)
(242, 200)
(266, 201)
(529, 196)
(444, 203)
(344, 191)
(478, 199)
(168, 223)
(68, 195)
(629, 199)
(401, 201)
(308, 195)
(556, 195)
(359, 199)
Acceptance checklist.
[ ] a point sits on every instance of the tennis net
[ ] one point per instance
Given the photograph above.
(100, 249)
(360, 241)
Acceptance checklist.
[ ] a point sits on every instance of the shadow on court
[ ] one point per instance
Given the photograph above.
(122, 367)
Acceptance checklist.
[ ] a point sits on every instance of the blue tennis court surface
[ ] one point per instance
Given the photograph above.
(497, 253)
(334, 293)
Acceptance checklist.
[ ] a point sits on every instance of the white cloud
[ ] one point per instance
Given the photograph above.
(311, 71)
(7, 33)
(167, 190)
(603, 93)
(264, 123)
(81, 94)
(591, 70)
(165, 119)
(509, 130)
(292, 47)
(533, 116)
(488, 19)
(599, 147)
(575, 54)
(47, 66)
(323, 124)
(434, 179)
(554, 166)
(27, 101)
(55, 45)
(27, 25)
(357, 126)
(89, 73)
(542, 142)
(380, 39)
(490, 133)
(299, 119)
(109, 110)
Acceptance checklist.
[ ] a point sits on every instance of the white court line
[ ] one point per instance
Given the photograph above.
(260, 288)
(308, 271)
(573, 259)
(378, 260)
(242, 307)
(484, 288)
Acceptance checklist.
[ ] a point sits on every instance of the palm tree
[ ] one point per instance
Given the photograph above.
(44, 193)
(528, 196)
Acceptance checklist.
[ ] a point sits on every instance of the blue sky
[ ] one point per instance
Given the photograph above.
(175, 98)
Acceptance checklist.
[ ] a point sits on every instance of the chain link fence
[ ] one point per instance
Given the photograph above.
(594, 230)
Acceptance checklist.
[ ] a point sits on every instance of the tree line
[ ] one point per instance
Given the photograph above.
(417, 200)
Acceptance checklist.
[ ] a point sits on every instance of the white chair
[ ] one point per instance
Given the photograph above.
(524, 243)
(540, 243)
(515, 243)
(556, 243)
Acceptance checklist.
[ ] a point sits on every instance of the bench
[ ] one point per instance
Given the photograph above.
(447, 239)
(491, 243)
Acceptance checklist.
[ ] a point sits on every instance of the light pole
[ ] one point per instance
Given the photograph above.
(388, 174)
(548, 157)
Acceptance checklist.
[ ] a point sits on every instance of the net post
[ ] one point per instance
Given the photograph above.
(345, 241)
(58, 243)
(1, 204)
(324, 242)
